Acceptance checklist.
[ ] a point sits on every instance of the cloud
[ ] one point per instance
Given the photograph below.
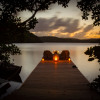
(72, 25)
(69, 25)
(61, 27)
(98, 33)
(79, 35)
(44, 24)
(93, 34)
(88, 28)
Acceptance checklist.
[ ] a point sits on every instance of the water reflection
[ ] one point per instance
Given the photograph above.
(29, 59)
(33, 53)
(55, 65)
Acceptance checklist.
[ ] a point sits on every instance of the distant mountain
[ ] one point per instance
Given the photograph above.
(19, 37)
(31, 38)
(67, 40)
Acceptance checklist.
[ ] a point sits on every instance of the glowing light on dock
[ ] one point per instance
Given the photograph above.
(55, 51)
(69, 59)
(42, 59)
(56, 58)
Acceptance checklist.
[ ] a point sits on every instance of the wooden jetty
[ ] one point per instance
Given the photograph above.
(55, 81)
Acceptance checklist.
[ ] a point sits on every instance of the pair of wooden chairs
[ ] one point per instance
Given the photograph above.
(47, 55)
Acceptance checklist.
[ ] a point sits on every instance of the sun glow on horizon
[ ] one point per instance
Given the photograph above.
(65, 23)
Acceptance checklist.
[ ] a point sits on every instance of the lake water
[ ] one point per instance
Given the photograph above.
(33, 52)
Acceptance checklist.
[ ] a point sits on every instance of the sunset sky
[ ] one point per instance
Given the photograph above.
(63, 22)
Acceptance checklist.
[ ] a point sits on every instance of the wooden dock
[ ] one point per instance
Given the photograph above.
(55, 81)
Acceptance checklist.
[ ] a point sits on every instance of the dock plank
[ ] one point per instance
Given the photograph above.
(56, 81)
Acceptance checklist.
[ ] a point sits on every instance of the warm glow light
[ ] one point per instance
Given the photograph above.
(92, 35)
(56, 52)
(42, 59)
(55, 57)
(69, 59)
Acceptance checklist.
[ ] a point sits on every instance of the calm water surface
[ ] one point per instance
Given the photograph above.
(33, 52)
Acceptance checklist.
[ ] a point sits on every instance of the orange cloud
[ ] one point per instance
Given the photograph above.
(68, 27)
(75, 33)
(94, 33)
(58, 30)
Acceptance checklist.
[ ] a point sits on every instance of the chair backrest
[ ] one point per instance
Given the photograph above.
(47, 55)
(64, 55)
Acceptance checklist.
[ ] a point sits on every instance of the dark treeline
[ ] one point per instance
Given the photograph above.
(69, 40)
(27, 37)
(20, 37)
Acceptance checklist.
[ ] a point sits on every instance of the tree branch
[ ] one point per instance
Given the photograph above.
(23, 23)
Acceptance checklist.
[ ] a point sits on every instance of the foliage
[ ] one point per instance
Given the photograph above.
(11, 25)
(6, 50)
(93, 52)
(12, 32)
(93, 6)
(10, 8)
(12, 29)
(8, 28)
(95, 84)
(18, 35)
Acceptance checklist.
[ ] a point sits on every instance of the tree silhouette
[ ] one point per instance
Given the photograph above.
(94, 53)
(10, 8)
(10, 23)
(6, 50)
(93, 6)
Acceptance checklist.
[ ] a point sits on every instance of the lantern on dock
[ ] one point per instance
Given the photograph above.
(69, 59)
(55, 57)
(42, 59)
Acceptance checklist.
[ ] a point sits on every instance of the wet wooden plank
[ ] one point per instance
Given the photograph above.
(55, 81)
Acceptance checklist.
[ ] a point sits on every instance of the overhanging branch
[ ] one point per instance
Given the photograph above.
(23, 23)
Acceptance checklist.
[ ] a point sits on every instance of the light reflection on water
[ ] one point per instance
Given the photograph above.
(33, 52)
